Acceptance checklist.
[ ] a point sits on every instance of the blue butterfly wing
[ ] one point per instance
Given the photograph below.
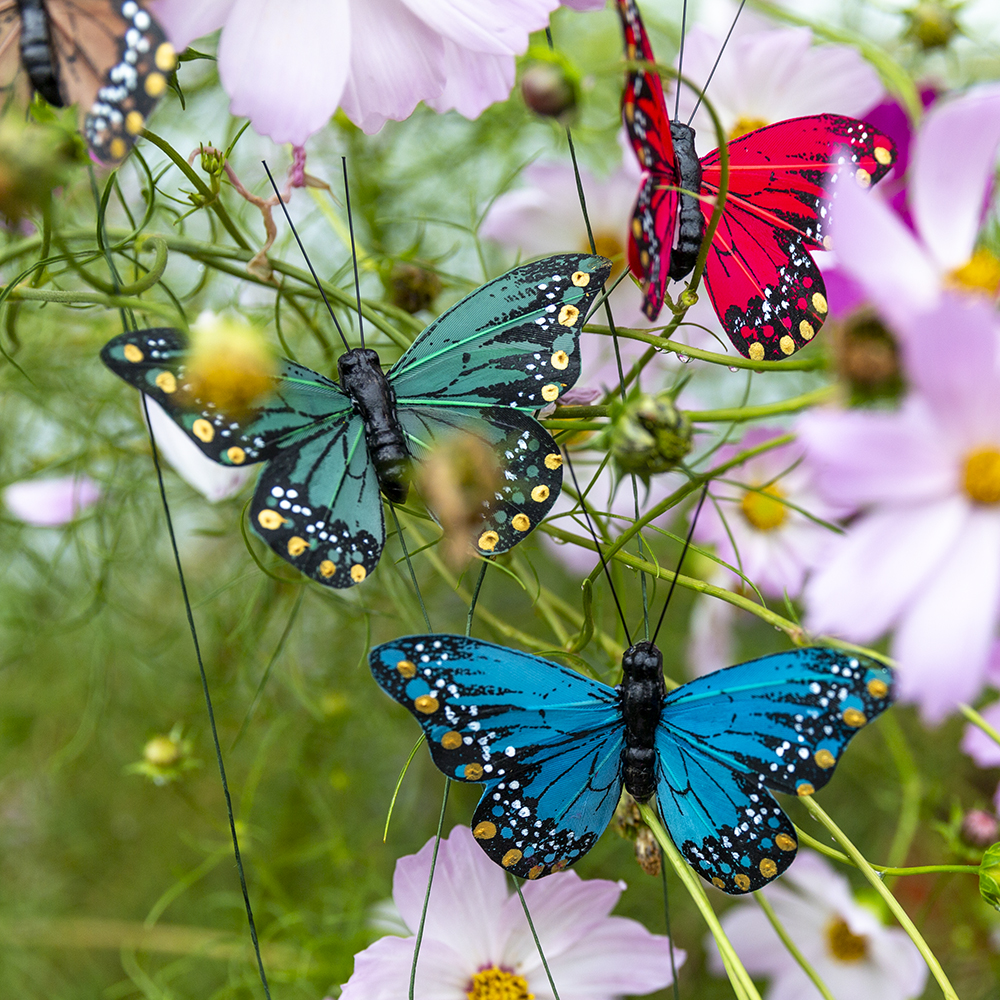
(512, 342)
(781, 722)
(529, 465)
(154, 361)
(317, 504)
(545, 740)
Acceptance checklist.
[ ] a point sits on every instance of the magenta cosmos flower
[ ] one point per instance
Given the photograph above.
(903, 270)
(853, 954)
(923, 558)
(288, 65)
(48, 503)
(477, 944)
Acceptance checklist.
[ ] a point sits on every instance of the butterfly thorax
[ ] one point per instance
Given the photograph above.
(690, 221)
(641, 695)
(374, 400)
(36, 51)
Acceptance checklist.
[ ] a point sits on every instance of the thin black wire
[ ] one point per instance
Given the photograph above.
(680, 62)
(475, 598)
(538, 944)
(409, 564)
(680, 562)
(354, 253)
(208, 702)
(312, 271)
(600, 552)
(670, 937)
(718, 58)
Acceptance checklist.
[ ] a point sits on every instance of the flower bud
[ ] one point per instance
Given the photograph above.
(34, 159)
(989, 876)
(165, 758)
(627, 822)
(550, 86)
(413, 288)
(647, 852)
(649, 435)
(867, 360)
(931, 23)
(979, 827)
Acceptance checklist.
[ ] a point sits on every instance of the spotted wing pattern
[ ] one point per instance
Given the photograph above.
(782, 723)
(766, 289)
(529, 465)
(512, 342)
(545, 740)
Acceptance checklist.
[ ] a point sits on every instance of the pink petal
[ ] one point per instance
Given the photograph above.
(876, 249)
(382, 971)
(953, 162)
(585, 4)
(468, 892)
(876, 569)
(710, 636)
(473, 80)
(48, 503)
(388, 80)
(500, 27)
(184, 21)
(284, 65)
(943, 642)
(983, 749)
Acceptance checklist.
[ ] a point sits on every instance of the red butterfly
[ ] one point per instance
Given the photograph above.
(766, 289)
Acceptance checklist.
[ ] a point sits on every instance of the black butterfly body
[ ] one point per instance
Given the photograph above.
(554, 748)
(108, 56)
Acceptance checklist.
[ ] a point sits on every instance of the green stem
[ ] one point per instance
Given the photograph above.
(790, 945)
(912, 786)
(738, 974)
(739, 414)
(977, 720)
(890, 900)
(99, 299)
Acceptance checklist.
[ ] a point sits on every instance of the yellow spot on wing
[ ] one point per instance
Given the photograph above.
(540, 494)
(567, 317)
(134, 122)
(203, 430)
(785, 843)
(854, 718)
(550, 392)
(512, 857)
(804, 789)
(155, 84)
(819, 302)
(581, 279)
(358, 572)
(787, 345)
(825, 759)
(883, 155)
(297, 545)
(473, 772)
(165, 58)
(863, 178)
(166, 382)
(560, 360)
(484, 831)
(488, 541)
(717, 882)
(132, 353)
(426, 704)
(520, 522)
(451, 740)
(768, 868)
(271, 520)
(406, 668)
(877, 688)
(236, 455)
(742, 882)
(327, 568)
(756, 351)
(553, 461)
(806, 330)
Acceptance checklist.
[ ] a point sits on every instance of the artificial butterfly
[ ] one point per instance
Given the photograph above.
(554, 747)
(108, 56)
(482, 368)
(767, 291)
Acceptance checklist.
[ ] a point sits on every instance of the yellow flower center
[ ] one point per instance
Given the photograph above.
(498, 984)
(843, 943)
(609, 244)
(981, 273)
(744, 125)
(763, 509)
(982, 476)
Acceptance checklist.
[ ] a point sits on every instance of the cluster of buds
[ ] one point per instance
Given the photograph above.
(648, 435)
(627, 823)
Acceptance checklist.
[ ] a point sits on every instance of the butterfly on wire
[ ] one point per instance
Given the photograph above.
(765, 286)
(108, 56)
(483, 368)
(555, 748)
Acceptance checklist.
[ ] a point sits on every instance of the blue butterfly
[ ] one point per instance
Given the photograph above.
(482, 368)
(554, 748)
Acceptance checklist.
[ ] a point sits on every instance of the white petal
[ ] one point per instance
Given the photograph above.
(284, 65)
(382, 971)
(500, 27)
(710, 636)
(387, 80)
(953, 161)
(213, 481)
(47, 503)
(473, 80)
(184, 21)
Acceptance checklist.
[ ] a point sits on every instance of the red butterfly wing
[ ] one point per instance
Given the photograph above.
(648, 125)
(766, 289)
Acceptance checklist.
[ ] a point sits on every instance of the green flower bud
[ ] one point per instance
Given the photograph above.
(989, 876)
(165, 758)
(649, 435)
(550, 85)
(931, 23)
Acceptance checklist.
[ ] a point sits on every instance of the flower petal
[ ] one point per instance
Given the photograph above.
(48, 503)
(473, 80)
(983, 749)
(382, 971)
(184, 21)
(943, 642)
(953, 161)
(388, 80)
(284, 65)
(500, 27)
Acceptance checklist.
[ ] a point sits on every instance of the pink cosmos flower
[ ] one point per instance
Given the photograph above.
(477, 943)
(951, 171)
(923, 558)
(288, 66)
(711, 644)
(853, 954)
(761, 529)
(48, 503)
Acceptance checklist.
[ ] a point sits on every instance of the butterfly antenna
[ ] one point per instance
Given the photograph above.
(718, 58)
(312, 270)
(680, 61)
(680, 562)
(354, 252)
(597, 545)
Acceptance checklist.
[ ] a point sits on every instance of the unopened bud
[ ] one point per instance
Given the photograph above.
(647, 852)
(550, 86)
(931, 23)
(165, 758)
(979, 827)
(989, 876)
(867, 359)
(413, 288)
(649, 435)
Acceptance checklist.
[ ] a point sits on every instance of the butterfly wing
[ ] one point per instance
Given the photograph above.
(764, 285)
(647, 124)
(545, 740)
(529, 465)
(512, 342)
(112, 59)
(10, 53)
(781, 722)
(317, 504)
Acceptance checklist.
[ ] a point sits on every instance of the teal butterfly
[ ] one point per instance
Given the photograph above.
(483, 368)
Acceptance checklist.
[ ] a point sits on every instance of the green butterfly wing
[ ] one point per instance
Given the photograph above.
(154, 361)
(512, 342)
